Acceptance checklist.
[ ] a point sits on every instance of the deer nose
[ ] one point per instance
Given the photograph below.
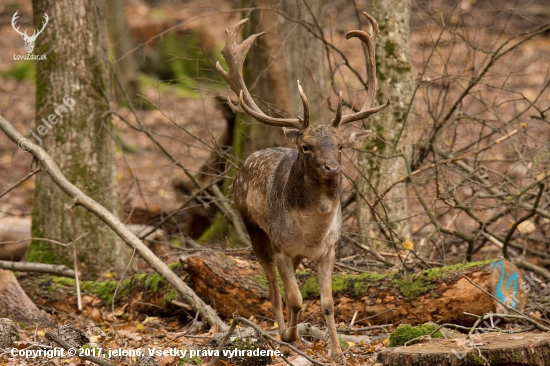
(332, 168)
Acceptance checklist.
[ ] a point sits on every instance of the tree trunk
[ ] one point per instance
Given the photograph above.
(200, 218)
(392, 125)
(306, 58)
(266, 74)
(500, 349)
(284, 54)
(16, 305)
(126, 65)
(72, 101)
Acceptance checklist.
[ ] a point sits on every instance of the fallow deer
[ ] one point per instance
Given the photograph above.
(289, 199)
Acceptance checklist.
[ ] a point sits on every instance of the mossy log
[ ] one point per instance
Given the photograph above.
(438, 295)
(145, 292)
(232, 284)
(16, 305)
(499, 349)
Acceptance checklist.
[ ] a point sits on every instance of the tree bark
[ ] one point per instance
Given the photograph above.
(306, 58)
(122, 44)
(16, 305)
(266, 74)
(284, 54)
(392, 125)
(500, 349)
(72, 87)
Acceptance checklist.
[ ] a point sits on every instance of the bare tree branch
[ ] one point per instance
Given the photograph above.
(79, 198)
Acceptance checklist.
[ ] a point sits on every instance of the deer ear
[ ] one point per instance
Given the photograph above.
(355, 140)
(292, 134)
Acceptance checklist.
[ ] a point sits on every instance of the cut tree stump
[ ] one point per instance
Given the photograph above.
(439, 295)
(16, 305)
(499, 349)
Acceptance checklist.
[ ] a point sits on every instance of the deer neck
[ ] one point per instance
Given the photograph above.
(308, 193)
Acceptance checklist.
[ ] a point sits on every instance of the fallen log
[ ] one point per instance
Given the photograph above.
(499, 349)
(144, 292)
(55, 269)
(232, 284)
(440, 295)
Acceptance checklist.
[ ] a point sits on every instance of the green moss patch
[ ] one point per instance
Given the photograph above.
(152, 282)
(423, 282)
(409, 287)
(405, 333)
(354, 285)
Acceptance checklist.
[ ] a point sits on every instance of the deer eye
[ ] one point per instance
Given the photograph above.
(306, 149)
(341, 147)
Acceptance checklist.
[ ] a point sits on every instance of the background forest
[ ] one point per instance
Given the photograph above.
(456, 173)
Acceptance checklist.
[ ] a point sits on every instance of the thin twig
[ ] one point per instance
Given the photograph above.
(491, 295)
(19, 182)
(41, 239)
(519, 316)
(68, 347)
(527, 216)
(114, 296)
(281, 343)
(541, 271)
(75, 260)
(225, 339)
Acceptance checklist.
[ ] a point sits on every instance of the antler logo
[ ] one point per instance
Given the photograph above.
(29, 40)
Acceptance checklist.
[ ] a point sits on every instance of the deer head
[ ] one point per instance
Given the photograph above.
(320, 145)
(29, 40)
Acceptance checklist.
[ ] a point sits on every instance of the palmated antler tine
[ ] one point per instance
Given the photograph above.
(305, 121)
(372, 85)
(235, 54)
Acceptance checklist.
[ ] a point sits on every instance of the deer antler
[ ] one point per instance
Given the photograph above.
(13, 19)
(371, 74)
(235, 54)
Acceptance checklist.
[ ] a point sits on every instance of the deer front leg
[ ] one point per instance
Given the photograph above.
(275, 296)
(325, 268)
(293, 297)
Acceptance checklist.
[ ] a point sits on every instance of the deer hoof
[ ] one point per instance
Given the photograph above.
(338, 357)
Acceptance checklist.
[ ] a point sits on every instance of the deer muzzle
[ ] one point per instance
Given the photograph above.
(331, 170)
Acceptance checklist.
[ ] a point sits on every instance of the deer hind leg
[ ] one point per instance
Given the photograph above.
(325, 268)
(264, 253)
(293, 296)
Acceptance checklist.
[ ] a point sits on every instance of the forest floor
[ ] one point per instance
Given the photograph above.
(180, 124)
(186, 126)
